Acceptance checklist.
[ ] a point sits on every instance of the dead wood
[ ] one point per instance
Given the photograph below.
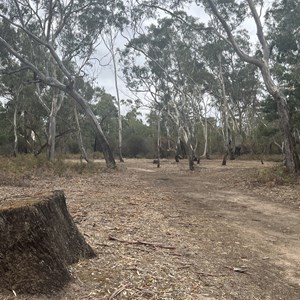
(118, 292)
(238, 270)
(112, 238)
(210, 274)
(38, 241)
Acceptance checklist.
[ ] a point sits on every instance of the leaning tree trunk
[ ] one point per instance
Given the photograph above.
(38, 241)
(69, 89)
(291, 155)
(107, 152)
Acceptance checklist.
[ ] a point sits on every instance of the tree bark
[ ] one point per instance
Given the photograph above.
(291, 155)
(79, 136)
(108, 155)
(52, 127)
(205, 133)
(111, 49)
(189, 148)
(119, 108)
(15, 151)
(158, 138)
(227, 142)
(38, 241)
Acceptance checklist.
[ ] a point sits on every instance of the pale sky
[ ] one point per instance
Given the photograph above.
(105, 75)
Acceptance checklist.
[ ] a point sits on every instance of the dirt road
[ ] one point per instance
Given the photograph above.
(169, 233)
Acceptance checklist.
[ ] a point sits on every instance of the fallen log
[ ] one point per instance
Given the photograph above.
(38, 240)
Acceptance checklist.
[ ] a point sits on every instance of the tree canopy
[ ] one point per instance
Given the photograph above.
(197, 72)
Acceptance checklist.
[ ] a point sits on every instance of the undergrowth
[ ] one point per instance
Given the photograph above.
(17, 171)
(277, 175)
(252, 156)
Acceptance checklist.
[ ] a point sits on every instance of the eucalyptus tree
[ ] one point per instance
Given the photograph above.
(109, 37)
(65, 33)
(110, 41)
(284, 35)
(172, 72)
(103, 106)
(233, 13)
(230, 16)
(235, 90)
(25, 114)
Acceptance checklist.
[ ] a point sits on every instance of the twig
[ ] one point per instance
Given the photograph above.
(118, 292)
(146, 292)
(184, 267)
(134, 269)
(112, 238)
(238, 270)
(102, 244)
(210, 274)
(176, 254)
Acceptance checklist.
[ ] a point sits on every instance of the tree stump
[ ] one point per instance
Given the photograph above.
(38, 240)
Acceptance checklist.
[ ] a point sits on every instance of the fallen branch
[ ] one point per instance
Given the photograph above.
(112, 238)
(146, 292)
(118, 292)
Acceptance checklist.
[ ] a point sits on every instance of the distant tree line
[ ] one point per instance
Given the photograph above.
(208, 89)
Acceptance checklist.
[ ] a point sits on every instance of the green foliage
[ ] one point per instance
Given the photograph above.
(137, 146)
(284, 35)
(137, 137)
(275, 176)
(5, 127)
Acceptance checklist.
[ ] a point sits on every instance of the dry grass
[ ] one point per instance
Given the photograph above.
(208, 222)
(17, 171)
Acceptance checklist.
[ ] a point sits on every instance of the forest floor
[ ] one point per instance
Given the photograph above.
(168, 233)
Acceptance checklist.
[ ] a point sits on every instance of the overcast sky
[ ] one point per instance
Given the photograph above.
(105, 75)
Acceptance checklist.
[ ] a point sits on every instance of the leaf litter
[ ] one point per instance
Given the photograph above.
(156, 240)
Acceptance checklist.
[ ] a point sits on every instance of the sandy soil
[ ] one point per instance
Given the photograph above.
(169, 233)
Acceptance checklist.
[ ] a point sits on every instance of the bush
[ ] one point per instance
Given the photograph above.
(138, 146)
(17, 171)
(276, 176)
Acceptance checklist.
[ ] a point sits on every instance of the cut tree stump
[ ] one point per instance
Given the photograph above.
(38, 240)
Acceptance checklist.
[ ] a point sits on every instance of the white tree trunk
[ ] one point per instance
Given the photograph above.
(79, 137)
(205, 133)
(224, 109)
(52, 127)
(68, 89)
(291, 155)
(158, 138)
(111, 48)
(15, 131)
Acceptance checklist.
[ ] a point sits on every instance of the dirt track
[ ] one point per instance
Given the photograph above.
(170, 233)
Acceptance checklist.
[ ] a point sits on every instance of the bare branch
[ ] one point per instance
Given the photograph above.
(238, 50)
(48, 80)
(14, 71)
(260, 34)
(44, 43)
